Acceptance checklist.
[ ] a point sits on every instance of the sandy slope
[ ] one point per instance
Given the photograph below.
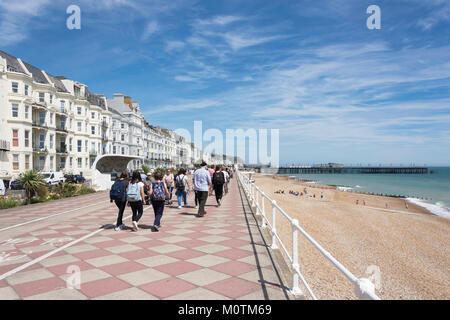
(410, 246)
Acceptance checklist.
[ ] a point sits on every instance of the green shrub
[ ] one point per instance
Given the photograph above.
(8, 204)
(38, 200)
(68, 190)
(85, 190)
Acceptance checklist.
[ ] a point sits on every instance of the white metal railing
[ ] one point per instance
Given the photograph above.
(364, 288)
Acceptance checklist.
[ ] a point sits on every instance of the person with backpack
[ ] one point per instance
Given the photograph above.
(158, 194)
(135, 197)
(118, 194)
(181, 187)
(218, 183)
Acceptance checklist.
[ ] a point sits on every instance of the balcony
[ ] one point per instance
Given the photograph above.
(5, 145)
(105, 124)
(93, 153)
(40, 149)
(40, 105)
(40, 125)
(61, 129)
(62, 150)
(63, 112)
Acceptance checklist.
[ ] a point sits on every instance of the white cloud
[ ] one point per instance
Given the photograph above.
(149, 30)
(174, 45)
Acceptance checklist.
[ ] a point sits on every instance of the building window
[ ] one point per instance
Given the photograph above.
(63, 163)
(71, 162)
(15, 140)
(27, 112)
(41, 163)
(15, 110)
(15, 87)
(79, 110)
(122, 125)
(41, 97)
(114, 150)
(51, 141)
(42, 117)
(15, 162)
(123, 150)
(26, 89)
(27, 162)
(70, 144)
(79, 126)
(93, 130)
(51, 118)
(27, 139)
(51, 163)
(63, 106)
(79, 145)
(41, 141)
(79, 163)
(123, 138)
(51, 99)
(86, 146)
(93, 147)
(92, 115)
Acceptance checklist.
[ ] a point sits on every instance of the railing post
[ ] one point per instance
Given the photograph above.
(295, 290)
(263, 225)
(257, 200)
(274, 225)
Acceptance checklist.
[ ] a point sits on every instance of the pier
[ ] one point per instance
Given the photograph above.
(352, 170)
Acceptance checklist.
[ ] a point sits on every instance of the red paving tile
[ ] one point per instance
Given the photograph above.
(233, 287)
(150, 244)
(177, 268)
(40, 286)
(192, 243)
(234, 254)
(122, 268)
(186, 254)
(167, 287)
(234, 243)
(138, 254)
(3, 284)
(62, 269)
(104, 286)
(109, 243)
(92, 254)
(234, 268)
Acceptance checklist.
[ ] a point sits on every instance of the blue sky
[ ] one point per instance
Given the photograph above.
(337, 91)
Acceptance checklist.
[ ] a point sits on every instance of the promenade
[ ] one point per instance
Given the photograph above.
(219, 257)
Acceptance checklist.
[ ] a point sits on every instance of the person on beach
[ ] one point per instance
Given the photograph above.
(218, 181)
(158, 194)
(169, 180)
(182, 187)
(118, 194)
(202, 183)
(135, 197)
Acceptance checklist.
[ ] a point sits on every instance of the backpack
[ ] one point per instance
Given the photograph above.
(219, 178)
(180, 185)
(159, 194)
(133, 193)
(117, 191)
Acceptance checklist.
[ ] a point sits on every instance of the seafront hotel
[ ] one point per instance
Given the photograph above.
(51, 123)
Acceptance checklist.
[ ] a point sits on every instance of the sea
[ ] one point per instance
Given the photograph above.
(431, 191)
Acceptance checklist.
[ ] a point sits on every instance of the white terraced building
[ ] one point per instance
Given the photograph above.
(50, 123)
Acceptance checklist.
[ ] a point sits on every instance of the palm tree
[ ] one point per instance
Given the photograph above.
(32, 181)
(146, 169)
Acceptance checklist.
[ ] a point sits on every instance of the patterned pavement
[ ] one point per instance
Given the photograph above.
(219, 257)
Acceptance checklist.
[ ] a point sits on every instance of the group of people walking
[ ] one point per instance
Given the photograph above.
(157, 190)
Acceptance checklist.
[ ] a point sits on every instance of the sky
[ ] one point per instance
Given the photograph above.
(336, 90)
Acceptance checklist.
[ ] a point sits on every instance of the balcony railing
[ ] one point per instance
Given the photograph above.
(63, 111)
(40, 149)
(40, 124)
(105, 124)
(93, 153)
(61, 129)
(5, 145)
(62, 150)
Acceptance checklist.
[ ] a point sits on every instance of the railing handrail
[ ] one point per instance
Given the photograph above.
(364, 289)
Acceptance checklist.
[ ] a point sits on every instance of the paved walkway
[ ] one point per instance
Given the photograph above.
(221, 256)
